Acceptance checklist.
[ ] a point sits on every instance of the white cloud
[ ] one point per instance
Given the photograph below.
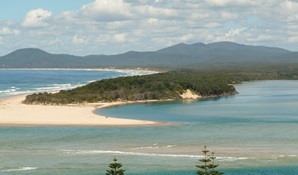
(260, 38)
(118, 25)
(186, 37)
(77, 40)
(102, 39)
(151, 25)
(152, 21)
(230, 35)
(213, 25)
(290, 6)
(120, 37)
(106, 10)
(119, 10)
(293, 39)
(231, 2)
(53, 41)
(228, 15)
(233, 33)
(155, 12)
(36, 18)
(8, 31)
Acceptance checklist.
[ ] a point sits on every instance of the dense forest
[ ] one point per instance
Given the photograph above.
(161, 86)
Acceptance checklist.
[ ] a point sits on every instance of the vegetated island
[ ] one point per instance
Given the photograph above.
(162, 86)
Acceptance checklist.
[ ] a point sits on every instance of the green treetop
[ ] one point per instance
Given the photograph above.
(208, 167)
(115, 168)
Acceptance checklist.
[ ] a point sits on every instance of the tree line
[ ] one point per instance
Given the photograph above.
(161, 86)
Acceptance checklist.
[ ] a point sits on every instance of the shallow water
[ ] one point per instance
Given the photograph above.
(252, 133)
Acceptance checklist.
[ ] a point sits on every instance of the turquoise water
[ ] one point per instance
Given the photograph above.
(14, 82)
(252, 133)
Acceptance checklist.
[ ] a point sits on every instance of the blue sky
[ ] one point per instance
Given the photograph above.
(11, 11)
(83, 27)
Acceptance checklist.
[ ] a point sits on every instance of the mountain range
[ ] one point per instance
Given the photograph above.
(219, 54)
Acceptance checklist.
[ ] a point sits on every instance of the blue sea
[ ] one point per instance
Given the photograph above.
(252, 133)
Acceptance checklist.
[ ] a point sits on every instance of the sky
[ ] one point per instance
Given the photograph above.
(86, 27)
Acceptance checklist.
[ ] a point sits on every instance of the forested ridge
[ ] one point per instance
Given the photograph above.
(212, 55)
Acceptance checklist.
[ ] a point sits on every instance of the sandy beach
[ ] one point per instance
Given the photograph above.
(14, 112)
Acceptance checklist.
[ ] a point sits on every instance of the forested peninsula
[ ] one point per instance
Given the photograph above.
(160, 86)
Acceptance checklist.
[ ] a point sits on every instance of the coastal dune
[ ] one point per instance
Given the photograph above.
(14, 112)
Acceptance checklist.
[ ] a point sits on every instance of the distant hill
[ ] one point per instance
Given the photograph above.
(219, 54)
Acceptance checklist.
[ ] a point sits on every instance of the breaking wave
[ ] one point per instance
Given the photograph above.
(24, 89)
(153, 147)
(148, 154)
(20, 169)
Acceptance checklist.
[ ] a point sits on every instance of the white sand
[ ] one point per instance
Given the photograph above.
(13, 112)
(188, 94)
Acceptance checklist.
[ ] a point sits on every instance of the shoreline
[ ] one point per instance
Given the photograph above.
(103, 69)
(14, 113)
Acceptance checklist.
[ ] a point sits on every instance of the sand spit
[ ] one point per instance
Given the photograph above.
(14, 112)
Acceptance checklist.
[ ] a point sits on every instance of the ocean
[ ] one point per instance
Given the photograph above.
(22, 81)
(251, 133)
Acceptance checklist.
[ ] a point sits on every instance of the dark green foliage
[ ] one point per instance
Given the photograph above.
(163, 86)
(149, 87)
(115, 168)
(208, 167)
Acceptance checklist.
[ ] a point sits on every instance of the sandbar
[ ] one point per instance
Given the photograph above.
(14, 112)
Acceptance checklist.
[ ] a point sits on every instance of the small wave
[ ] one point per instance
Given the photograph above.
(12, 93)
(154, 147)
(282, 156)
(13, 90)
(8, 90)
(20, 169)
(47, 88)
(13, 87)
(134, 72)
(128, 153)
(149, 154)
(126, 72)
(55, 87)
(231, 159)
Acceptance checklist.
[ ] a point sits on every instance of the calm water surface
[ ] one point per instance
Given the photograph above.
(252, 133)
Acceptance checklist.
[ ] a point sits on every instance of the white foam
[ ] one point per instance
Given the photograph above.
(128, 153)
(56, 87)
(20, 169)
(134, 72)
(282, 156)
(8, 90)
(154, 147)
(231, 159)
(149, 154)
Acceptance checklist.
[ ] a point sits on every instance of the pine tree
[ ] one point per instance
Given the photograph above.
(208, 167)
(115, 168)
